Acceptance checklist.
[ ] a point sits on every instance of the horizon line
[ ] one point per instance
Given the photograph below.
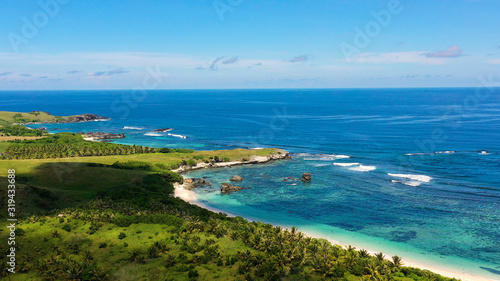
(232, 89)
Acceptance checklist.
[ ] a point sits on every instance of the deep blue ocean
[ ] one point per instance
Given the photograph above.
(413, 172)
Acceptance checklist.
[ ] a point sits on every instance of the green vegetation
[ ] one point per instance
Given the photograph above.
(20, 130)
(8, 118)
(64, 145)
(114, 218)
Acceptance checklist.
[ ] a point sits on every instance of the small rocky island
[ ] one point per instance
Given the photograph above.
(101, 136)
(163, 130)
(228, 188)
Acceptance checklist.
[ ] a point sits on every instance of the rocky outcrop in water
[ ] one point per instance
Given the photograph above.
(306, 177)
(236, 178)
(193, 183)
(228, 188)
(162, 130)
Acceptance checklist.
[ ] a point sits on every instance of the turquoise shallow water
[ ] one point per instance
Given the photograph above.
(414, 170)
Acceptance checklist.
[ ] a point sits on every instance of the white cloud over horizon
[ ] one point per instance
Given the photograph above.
(127, 69)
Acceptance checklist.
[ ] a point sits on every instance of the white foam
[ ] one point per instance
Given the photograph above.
(410, 183)
(326, 157)
(420, 178)
(362, 168)
(153, 134)
(101, 120)
(342, 156)
(484, 152)
(178, 136)
(132, 128)
(445, 152)
(321, 165)
(346, 164)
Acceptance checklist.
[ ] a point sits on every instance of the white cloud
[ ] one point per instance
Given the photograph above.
(397, 57)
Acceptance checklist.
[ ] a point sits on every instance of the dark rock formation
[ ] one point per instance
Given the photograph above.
(37, 111)
(103, 136)
(228, 188)
(236, 178)
(162, 130)
(306, 177)
(193, 183)
(83, 118)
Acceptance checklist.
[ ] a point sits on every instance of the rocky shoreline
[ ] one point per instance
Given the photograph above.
(70, 119)
(192, 183)
(279, 155)
(101, 136)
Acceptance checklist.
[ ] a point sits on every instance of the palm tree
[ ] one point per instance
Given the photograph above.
(397, 262)
(363, 253)
(380, 256)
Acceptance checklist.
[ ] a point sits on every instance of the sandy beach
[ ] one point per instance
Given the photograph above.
(190, 197)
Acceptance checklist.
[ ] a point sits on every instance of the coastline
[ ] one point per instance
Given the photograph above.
(191, 197)
(279, 155)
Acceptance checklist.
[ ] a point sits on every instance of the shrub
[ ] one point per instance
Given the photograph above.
(172, 177)
(123, 221)
(19, 231)
(226, 159)
(193, 274)
(152, 252)
(184, 150)
(94, 226)
(103, 245)
(66, 227)
(132, 165)
(122, 235)
(161, 166)
(165, 150)
(192, 162)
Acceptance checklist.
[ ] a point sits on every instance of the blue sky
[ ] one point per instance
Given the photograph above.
(70, 44)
